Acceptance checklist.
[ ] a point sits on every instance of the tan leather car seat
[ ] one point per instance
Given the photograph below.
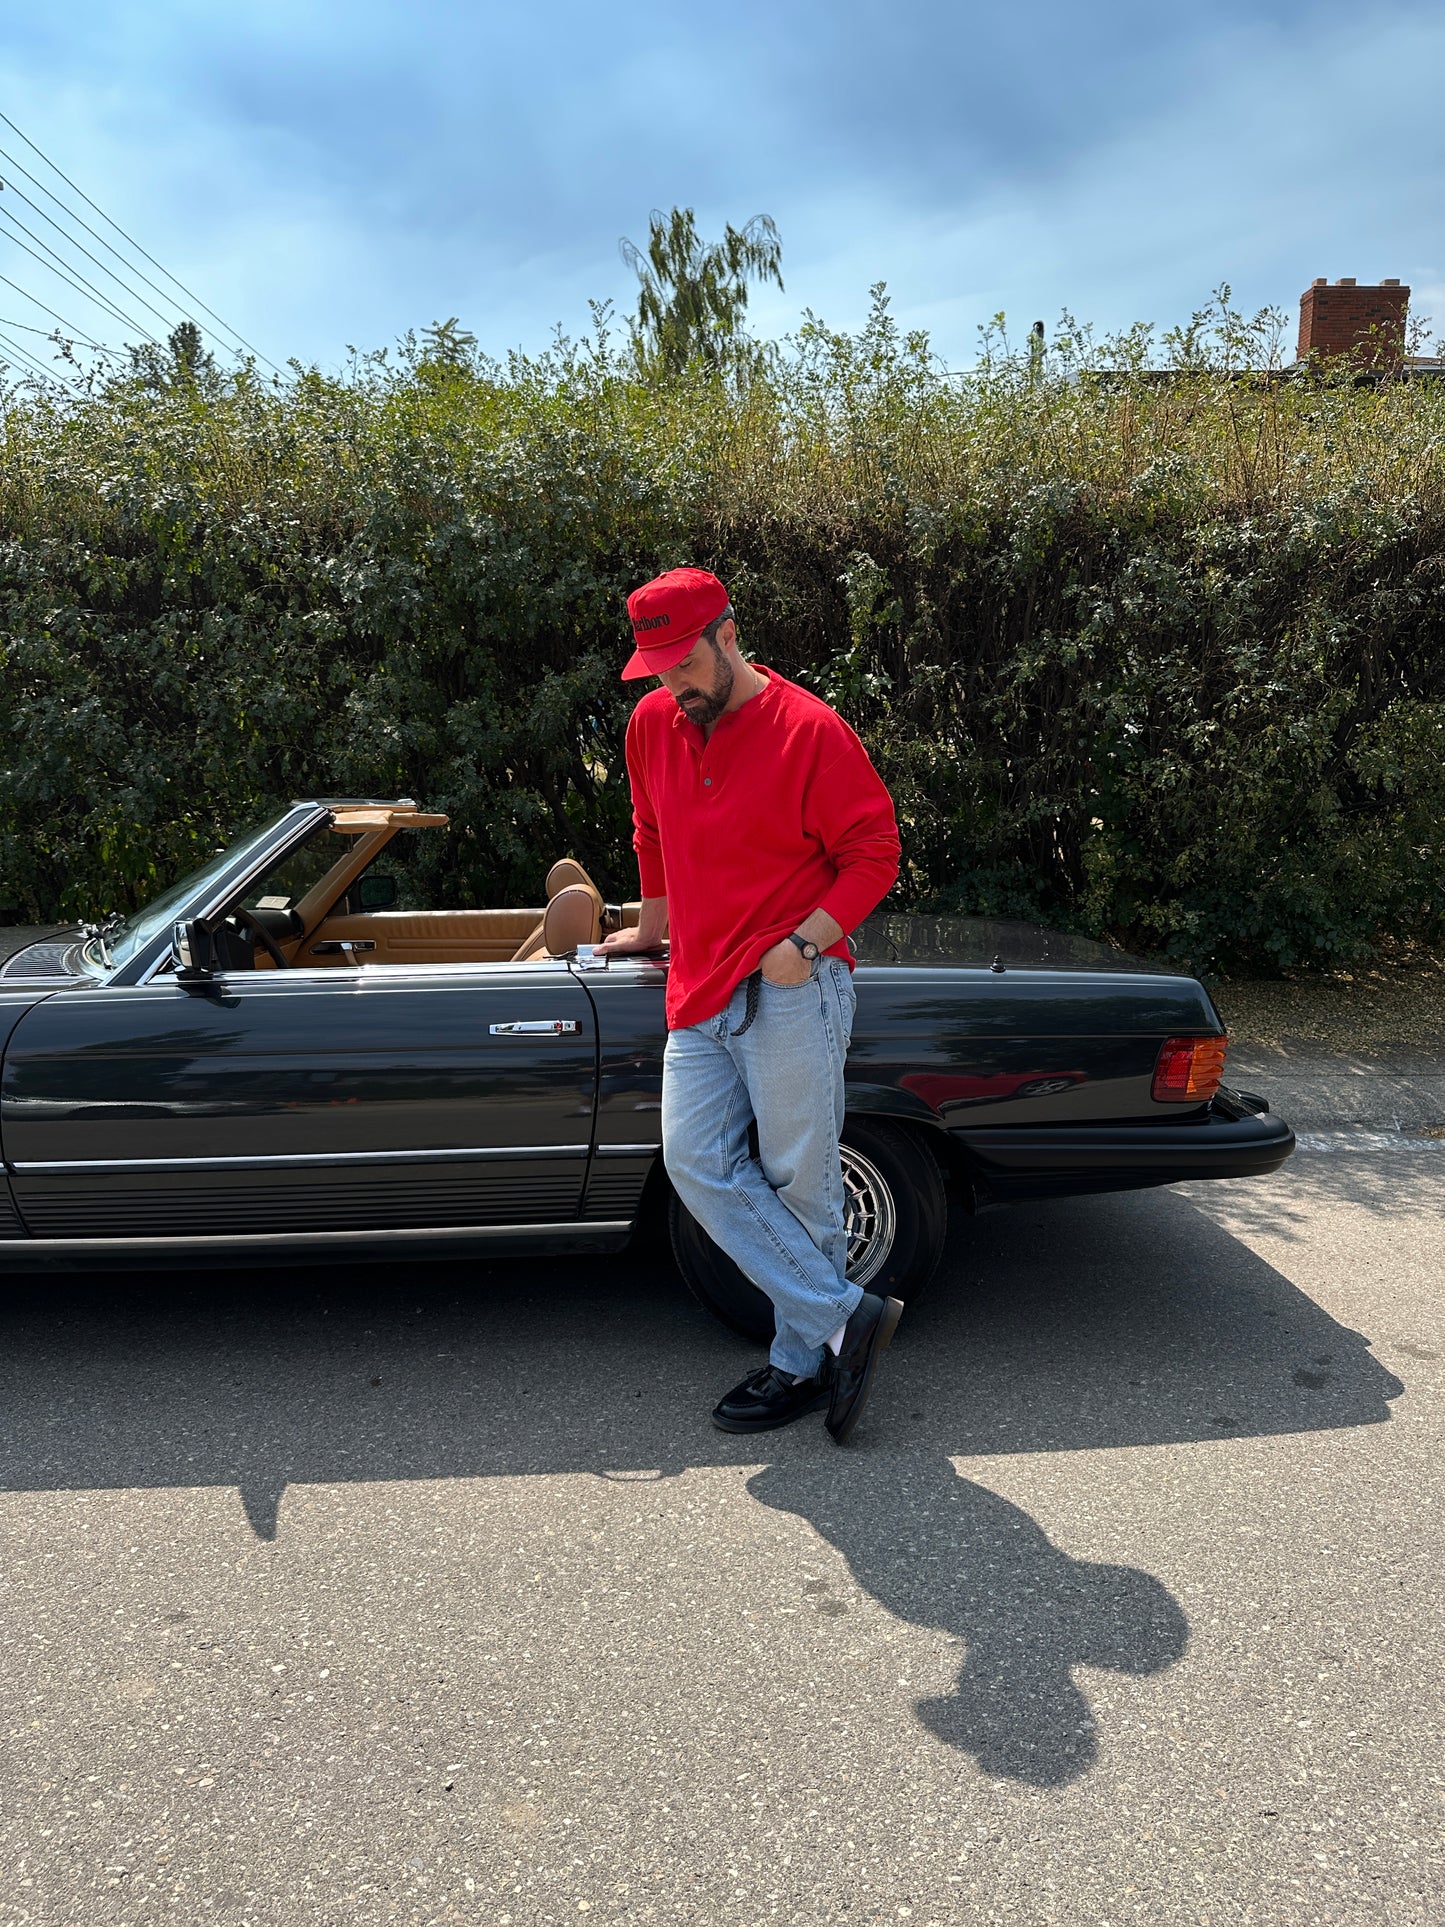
(565, 878)
(573, 916)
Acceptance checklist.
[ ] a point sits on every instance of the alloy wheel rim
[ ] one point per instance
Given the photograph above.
(870, 1220)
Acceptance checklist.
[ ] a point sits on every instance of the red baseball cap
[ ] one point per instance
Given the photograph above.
(668, 615)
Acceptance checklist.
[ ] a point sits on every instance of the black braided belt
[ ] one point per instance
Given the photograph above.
(750, 1009)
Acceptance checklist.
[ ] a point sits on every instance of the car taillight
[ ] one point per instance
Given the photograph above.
(1189, 1069)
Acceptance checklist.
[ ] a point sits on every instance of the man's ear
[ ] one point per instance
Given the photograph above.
(727, 634)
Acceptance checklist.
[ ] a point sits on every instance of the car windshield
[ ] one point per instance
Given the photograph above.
(122, 943)
(286, 882)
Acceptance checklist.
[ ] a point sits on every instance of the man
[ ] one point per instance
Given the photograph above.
(763, 835)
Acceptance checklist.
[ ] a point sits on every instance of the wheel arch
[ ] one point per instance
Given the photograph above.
(878, 1105)
(911, 1115)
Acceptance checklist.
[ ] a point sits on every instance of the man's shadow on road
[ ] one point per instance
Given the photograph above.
(941, 1551)
(1103, 1324)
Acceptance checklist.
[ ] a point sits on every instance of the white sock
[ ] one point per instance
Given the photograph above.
(834, 1344)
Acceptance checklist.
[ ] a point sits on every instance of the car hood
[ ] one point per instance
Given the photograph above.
(977, 942)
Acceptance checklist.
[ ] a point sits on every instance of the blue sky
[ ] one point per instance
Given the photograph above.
(326, 174)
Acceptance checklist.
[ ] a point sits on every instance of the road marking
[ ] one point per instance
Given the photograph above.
(1363, 1140)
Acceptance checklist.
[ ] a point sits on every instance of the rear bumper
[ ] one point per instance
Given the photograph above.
(1054, 1160)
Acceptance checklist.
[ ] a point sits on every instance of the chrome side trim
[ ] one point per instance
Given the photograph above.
(305, 1160)
(626, 1150)
(317, 1240)
(371, 976)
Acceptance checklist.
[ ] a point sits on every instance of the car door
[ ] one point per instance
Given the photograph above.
(276, 1101)
(629, 994)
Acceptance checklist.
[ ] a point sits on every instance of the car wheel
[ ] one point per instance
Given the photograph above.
(895, 1212)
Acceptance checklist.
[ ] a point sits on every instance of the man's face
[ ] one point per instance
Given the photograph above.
(701, 684)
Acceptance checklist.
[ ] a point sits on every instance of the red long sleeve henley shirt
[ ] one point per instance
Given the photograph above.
(748, 831)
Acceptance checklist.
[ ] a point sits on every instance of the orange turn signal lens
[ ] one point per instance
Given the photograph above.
(1189, 1069)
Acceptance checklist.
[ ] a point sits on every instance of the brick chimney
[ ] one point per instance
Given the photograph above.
(1367, 324)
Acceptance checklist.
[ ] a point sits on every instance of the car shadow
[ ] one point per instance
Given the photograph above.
(1132, 1320)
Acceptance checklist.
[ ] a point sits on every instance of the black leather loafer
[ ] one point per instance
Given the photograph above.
(868, 1334)
(767, 1399)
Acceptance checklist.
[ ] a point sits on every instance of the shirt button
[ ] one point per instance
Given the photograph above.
(707, 782)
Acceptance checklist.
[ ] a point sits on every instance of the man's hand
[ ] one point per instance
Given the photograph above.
(645, 938)
(629, 943)
(785, 964)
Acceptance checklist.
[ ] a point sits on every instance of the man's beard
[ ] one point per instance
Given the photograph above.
(704, 709)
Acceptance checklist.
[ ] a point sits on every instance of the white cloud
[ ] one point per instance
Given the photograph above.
(391, 177)
(1281, 161)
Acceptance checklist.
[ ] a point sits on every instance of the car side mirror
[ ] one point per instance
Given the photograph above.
(194, 949)
(377, 893)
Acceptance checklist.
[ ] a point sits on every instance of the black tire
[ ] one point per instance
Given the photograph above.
(889, 1174)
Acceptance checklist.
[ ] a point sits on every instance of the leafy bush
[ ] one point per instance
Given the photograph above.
(1155, 659)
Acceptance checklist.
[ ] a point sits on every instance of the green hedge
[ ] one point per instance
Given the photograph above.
(1159, 661)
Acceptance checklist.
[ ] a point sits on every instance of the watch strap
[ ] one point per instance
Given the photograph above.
(809, 949)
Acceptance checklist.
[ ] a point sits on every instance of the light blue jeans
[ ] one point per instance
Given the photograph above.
(779, 1217)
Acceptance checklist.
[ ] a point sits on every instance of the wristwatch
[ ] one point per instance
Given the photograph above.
(810, 950)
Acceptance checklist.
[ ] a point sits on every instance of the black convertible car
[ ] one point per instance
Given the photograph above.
(277, 1058)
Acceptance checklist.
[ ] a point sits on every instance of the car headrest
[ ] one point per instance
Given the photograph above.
(573, 916)
(564, 873)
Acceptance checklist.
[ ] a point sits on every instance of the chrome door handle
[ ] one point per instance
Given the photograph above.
(335, 946)
(542, 1027)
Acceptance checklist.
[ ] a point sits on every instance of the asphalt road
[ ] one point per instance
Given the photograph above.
(430, 1595)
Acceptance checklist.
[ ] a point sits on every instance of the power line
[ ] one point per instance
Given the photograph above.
(29, 328)
(51, 222)
(130, 239)
(22, 358)
(49, 334)
(81, 285)
(13, 167)
(28, 361)
(77, 334)
(78, 279)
